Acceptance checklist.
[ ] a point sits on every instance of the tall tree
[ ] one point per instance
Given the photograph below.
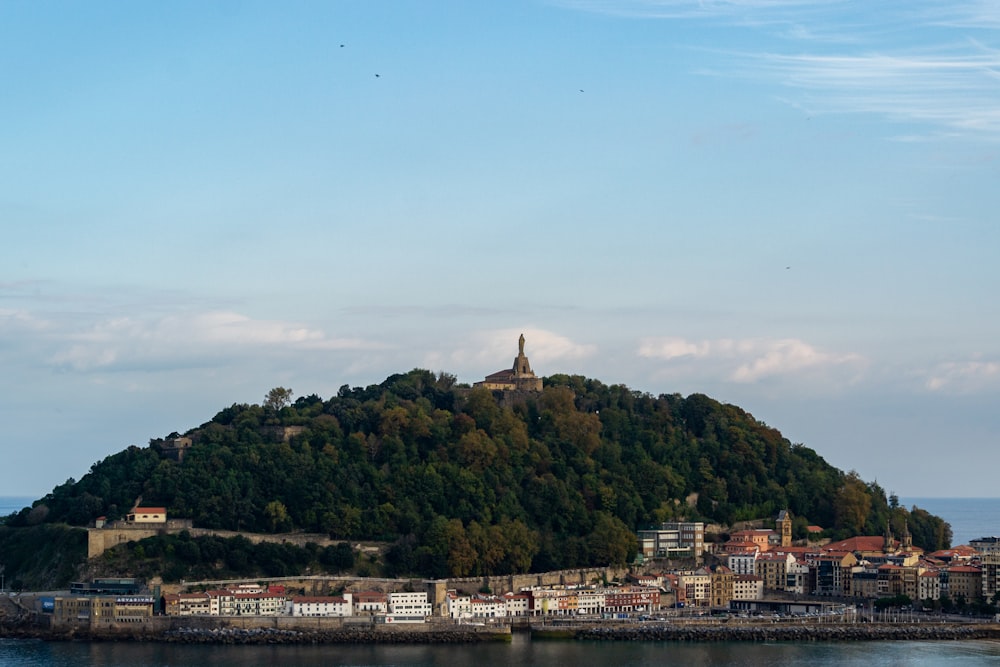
(278, 398)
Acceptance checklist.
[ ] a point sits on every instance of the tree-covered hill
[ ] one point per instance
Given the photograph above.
(464, 483)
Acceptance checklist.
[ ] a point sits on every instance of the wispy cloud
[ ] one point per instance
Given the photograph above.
(956, 91)
(912, 62)
(183, 340)
(749, 360)
(691, 9)
(963, 377)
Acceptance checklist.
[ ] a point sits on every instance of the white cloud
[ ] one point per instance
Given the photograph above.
(11, 320)
(749, 360)
(964, 377)
(183, 340)
(496, 349)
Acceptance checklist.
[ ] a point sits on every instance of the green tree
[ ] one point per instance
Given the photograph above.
(611, 542)
(852, 504)
(278, 398)
(277, 517)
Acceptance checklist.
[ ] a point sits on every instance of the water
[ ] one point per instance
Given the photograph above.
(11, 504)
(521, 653)
(970, 518)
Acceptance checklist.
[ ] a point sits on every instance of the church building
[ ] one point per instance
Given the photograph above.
(518, 378)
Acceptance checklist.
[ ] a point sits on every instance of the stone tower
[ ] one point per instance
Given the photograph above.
(785, 527)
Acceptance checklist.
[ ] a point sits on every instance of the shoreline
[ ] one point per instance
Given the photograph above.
(707, 633)
(766, 632)
(264, 636)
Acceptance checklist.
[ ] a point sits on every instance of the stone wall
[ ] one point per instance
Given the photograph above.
(100, 540)
(514, 583)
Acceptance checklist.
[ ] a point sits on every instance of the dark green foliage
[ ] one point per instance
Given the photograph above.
(181, 556)
(464, 485)
(895, 602)
(42, 557)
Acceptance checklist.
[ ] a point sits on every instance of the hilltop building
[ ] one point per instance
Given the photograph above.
(518, 378)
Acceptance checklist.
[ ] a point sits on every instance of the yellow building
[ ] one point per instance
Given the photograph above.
(147, 515)
(721, 581)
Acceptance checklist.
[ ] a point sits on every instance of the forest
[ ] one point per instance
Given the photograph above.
(462, 481)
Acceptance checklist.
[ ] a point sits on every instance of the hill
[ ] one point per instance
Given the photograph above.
(465, 482)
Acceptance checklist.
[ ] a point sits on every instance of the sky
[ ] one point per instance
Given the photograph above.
(787, 205)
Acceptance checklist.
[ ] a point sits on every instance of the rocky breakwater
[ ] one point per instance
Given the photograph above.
(790, 632)
(345, 635)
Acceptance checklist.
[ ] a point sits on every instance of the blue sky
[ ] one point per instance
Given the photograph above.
(789, 205)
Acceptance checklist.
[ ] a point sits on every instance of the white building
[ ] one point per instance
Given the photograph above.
(409, 604)
(320, 606)
(748, 587)
(743, 562)
(518, 604)
(697, 586)
(370, 602)
(929, 585)
(491, 607)
(268, 603)
(589, 602)
(459, 605)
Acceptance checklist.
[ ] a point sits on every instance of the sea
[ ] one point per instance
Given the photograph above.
(970, 518)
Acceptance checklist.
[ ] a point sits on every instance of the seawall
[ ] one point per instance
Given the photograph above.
(778, 633)
(277, 631)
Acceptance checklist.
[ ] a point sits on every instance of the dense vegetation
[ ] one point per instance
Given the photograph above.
(464, 484)
(183, 557)
(40, 558)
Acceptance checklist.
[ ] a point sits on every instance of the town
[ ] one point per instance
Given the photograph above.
(757, 571)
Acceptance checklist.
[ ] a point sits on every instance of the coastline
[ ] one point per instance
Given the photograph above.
(766, 632)
(464, 634)
(268, 636)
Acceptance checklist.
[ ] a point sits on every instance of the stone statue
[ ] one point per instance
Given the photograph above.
(520, 345)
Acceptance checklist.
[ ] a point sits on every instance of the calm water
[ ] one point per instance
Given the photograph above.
(11, 504)
(521, 653)
(970, 518)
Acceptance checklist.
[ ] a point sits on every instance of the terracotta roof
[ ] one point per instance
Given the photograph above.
(871, 543)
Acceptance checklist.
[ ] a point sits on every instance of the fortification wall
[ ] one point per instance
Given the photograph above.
(100, 540)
